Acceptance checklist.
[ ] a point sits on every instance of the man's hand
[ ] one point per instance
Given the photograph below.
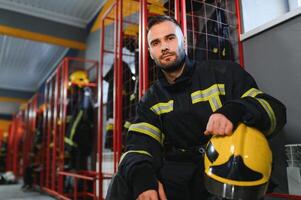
(218, 124)
(148, 195)
(153, 194)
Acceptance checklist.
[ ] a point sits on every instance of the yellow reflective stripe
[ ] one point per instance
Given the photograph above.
(253, 92)
(109, 127)
(127, 124)
(163, 107)
(149, 130)
(134, 151)
(270, 113)
(78, 118)
(210, 94)
(70, 142)
(215, 103)
(206, 94)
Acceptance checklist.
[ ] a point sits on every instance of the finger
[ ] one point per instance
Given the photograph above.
(222, 127)
(229, 128)
(209, 126)
(162, 194)
(216, 127)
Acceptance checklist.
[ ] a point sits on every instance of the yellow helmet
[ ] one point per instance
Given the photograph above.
(238, 166)
(79, 78)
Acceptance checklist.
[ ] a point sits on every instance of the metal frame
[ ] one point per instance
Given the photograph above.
(56, 94)
(22, 129)
(117, 89)
(239, 32)
(13, 150)
(30, 123)
(54, 126)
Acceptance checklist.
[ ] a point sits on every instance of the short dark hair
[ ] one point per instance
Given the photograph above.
(153, 20)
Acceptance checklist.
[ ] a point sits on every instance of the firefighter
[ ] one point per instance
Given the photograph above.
(188, 104)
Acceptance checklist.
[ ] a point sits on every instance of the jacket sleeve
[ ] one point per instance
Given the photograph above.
(248, 104)
(142, 159)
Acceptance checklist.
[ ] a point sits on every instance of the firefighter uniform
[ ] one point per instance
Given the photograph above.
(80, 130)
(166, 140)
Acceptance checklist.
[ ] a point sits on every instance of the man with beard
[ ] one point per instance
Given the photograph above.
(178, 114)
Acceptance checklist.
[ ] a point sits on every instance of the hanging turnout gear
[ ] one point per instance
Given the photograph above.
(80, 121)
(218, 40)
(128, 88)
(238, 166)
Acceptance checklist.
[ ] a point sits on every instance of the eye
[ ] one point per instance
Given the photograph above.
(171, 37)
(155, 43)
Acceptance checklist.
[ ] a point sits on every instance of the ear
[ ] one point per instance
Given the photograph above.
(185, 44)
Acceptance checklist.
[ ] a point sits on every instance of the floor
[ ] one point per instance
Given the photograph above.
(14, 192)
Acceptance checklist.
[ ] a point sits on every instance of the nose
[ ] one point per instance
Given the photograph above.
(164, 46)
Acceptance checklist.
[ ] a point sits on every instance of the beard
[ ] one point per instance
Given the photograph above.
(173, 65)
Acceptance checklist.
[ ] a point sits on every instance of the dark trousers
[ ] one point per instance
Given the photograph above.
(28, 176)
(184, 181)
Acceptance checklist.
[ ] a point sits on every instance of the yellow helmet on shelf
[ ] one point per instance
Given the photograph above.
(238, 166)
(79, 78)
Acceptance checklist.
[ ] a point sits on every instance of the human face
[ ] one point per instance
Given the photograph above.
(166, 45)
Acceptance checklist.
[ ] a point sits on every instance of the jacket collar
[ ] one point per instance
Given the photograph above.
(183, 79)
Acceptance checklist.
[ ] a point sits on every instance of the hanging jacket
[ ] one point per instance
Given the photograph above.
(177, 114)
(216, 40)
(127, 107)
(80, 128)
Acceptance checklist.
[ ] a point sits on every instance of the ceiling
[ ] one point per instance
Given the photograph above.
(21, 58)
(72, 12)
(35, 35)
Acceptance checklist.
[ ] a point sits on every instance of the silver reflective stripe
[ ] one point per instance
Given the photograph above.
(210, 94)
(148, 129)
(163, 107)
(134, 151)
(253, 92)
(205, 95)
(270, 113)
(215, 103)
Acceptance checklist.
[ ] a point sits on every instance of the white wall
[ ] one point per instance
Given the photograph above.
(293, 4)
(258, 12)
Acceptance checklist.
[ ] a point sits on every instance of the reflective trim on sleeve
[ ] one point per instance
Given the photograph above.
(70, 142)
(134, 151)
(76, 122)
(270, 113)
(148, 129)
(253, 92)
(162, 107)
(210, 94)
(127, 124)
